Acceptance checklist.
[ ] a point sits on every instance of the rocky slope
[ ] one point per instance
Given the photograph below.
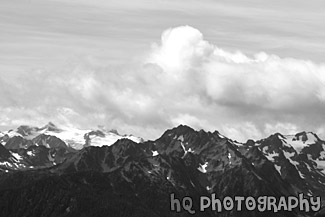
(136, 179)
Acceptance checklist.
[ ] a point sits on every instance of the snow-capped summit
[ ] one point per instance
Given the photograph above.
(51, 127)
(105, 137)
(301, 140)
(73, 137)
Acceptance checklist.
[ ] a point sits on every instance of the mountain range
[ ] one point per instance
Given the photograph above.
(49, 171)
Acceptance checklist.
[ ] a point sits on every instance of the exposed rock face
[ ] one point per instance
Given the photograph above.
(136, 179)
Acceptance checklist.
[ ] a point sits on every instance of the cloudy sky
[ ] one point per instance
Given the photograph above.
(246, 68)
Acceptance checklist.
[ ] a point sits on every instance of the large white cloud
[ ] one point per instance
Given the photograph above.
(183, 79)
(233, 78)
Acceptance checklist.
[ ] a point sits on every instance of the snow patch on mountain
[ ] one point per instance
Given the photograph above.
(289, 156)
(190, 150)
(30, 153)
(17, 156)
(203, 167)
(181, 138)
(320, 165)
(269, 156)
(278, 168)
(5, 164)
(236, 143)
(322, 153)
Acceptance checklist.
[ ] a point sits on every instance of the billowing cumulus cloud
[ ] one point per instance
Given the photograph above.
(242, 95)
(183, 79)
(265, 81)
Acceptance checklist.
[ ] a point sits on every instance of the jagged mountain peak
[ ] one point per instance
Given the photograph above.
(32, 131)
(26, 130)
(104, 129)
(50, 127)
(184, 132)
(180, 130)
(49, 141)
(114, 131)
(279, 135)
(250, 142)
(306, 137)
(275, 136)
(95, 133)
(126, 147)
(121, 145)
(125, 143)
(298, 141)
(182, 160)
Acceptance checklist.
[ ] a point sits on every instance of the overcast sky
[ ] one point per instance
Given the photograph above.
(247, 68)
